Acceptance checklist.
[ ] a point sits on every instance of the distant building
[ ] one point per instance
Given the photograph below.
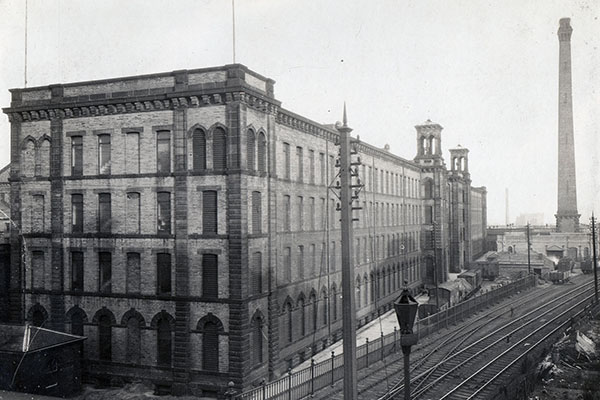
(534, 219)
(512, 265)
(184, 223)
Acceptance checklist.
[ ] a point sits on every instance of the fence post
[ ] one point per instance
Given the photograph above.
(382, 344)
(289, 383)
(332, 367)
(367, 344)
(312, 376)
(446, 318)
(396, 337)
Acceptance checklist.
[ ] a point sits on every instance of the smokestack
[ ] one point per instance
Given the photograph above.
(507, 219)
(567, 217)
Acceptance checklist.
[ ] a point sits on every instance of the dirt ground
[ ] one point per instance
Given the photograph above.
(566, 373)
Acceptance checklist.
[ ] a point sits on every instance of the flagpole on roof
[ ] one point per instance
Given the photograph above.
(25, 72)
(233, 26)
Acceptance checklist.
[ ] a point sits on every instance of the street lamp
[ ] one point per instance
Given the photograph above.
(406, 310)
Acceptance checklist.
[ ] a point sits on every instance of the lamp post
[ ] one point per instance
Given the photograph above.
(406, 310)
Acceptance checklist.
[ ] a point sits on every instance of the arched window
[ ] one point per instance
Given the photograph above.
(38, 318)
(334, 303)
(163, 342)
(77, 318)
(199, 149)
(315, 310)
(104, 338)
(44, 158)
(289, 323)
(251, 147)
(365, 283)
(133, 340)
(257, 339)
(219, 149)
(324, 309)
(302, 310)
(358, 295)
(262, 153)
(210, 327)
(28, 159)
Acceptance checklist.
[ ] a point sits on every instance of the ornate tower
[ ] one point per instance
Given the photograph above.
(567, 218)
(460, 209)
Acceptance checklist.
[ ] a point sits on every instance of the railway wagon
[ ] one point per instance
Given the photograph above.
(559, 276)
(587, 266)
(565, 264)
(473, 277)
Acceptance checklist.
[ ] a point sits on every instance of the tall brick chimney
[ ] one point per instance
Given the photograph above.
(567, 218)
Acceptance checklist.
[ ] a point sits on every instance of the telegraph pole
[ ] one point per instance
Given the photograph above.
(348, 308)
(594, 260)
(528, 251)
(435, 274)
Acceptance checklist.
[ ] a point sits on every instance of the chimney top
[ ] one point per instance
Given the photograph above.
(565, 22)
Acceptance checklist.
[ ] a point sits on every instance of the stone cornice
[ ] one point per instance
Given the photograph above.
(71, 108)
(295, 121)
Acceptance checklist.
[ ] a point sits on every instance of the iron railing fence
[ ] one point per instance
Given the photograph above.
(297, 385)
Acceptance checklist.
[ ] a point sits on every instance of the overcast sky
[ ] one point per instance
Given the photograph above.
(487, 71)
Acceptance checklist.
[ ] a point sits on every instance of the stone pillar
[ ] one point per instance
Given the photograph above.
(567, 218)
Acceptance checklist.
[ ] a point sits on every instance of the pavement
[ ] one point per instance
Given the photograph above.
(385, 324)
(372, 331)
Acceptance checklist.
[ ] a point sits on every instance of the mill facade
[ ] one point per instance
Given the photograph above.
(185, 222)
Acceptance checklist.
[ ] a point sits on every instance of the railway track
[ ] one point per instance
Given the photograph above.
(462, 343)
(386, 378)
(470, 365)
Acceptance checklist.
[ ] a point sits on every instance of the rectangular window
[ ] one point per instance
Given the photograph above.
(428, 214)
(256, 213)
(375, 181)
(300, 265)
(37, 213)
(132, 153)
(133, 274)
(331, 170)
(300, 213)
(311, 161)
(210, 277)
(311, 215)
(163, 223)
(103, 154)
(76, 213)
(37, 265)
(104, 213)
(322, 168)
(163, 151)
(209, 212)
(163, 266)
(77, 271)
(256, 279)
(286, 213)
(286, 160)
(370, 178)
(300, 156)
(77, 155)
(105, 269)
(313, 260)
(323, 213)
(332, 257)
(287, 264)
(132, 213)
